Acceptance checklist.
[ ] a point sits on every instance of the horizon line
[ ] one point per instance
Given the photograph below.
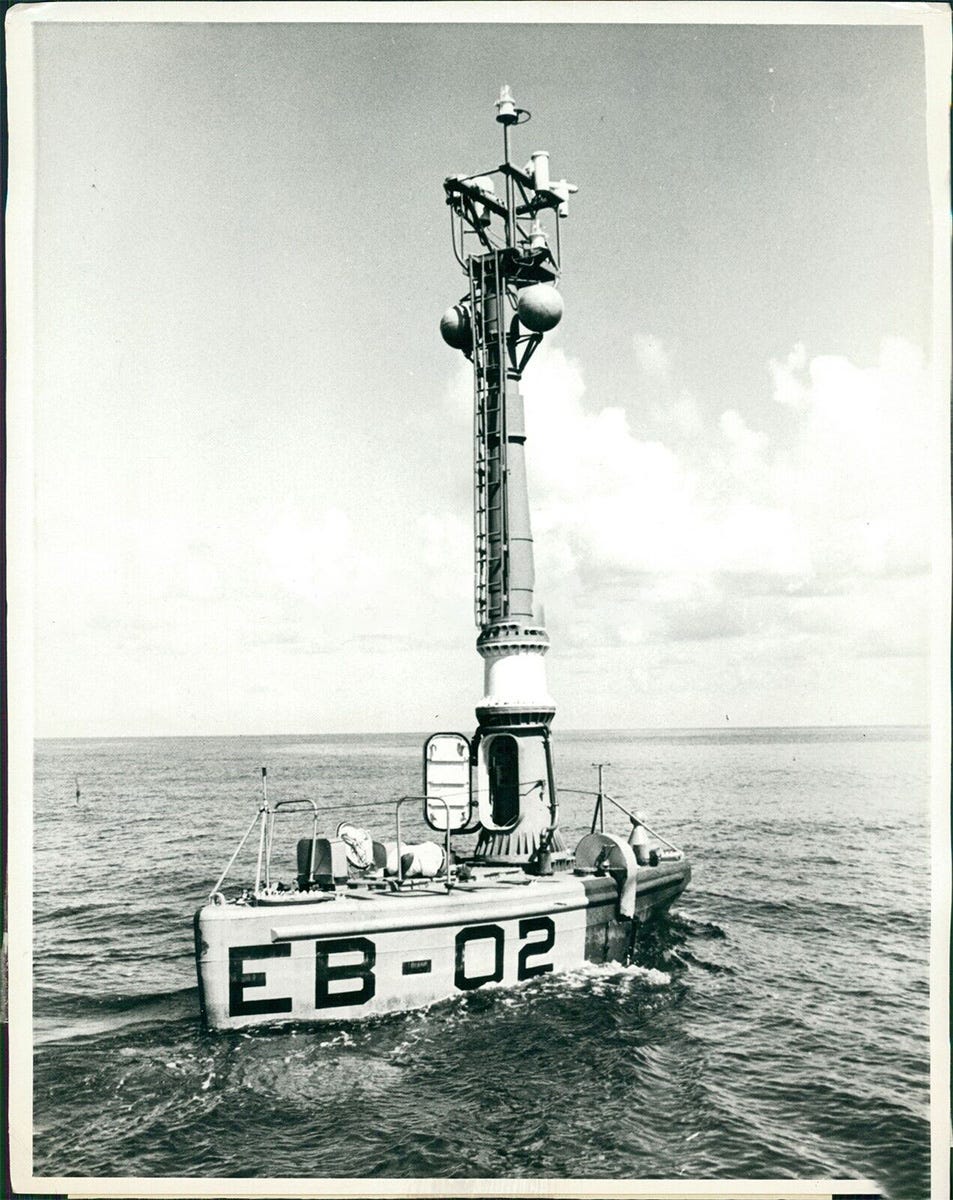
(100, 737)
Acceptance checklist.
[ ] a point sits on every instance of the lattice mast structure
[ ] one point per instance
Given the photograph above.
(509, 249)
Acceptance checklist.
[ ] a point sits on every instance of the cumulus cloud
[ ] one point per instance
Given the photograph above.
(790, 385)
(857, 476)
(826, 506)
(651, 356)
(619, 502)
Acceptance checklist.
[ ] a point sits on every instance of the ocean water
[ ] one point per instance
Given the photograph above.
(774, 1026)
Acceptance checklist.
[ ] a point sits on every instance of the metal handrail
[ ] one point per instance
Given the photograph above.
(266, 811)
(293, 802)
(221, 878)
(636, 821)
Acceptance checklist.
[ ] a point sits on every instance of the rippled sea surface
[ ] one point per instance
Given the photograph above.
(775, 1026)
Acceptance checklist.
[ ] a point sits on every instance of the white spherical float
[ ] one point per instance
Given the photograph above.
(540, 307)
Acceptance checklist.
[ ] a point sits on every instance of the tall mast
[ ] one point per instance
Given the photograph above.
(509, 250)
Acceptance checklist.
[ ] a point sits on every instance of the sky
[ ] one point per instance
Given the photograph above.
(252, 449)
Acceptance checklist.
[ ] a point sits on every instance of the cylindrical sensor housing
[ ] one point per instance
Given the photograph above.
(540, 161)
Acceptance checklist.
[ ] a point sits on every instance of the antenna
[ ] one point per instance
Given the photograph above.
(508, 114)
(599, 816)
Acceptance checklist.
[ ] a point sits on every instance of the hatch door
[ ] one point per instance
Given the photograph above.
(447, 778)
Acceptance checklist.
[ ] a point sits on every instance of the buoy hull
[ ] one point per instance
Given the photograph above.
(343, 959)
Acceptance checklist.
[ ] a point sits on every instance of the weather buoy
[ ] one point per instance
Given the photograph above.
(540, 307)
(455, 328)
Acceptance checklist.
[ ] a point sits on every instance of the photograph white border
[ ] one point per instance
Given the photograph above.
(934, 19)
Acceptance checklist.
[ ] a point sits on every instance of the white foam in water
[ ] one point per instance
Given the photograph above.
(341, 1039)
(604, 973)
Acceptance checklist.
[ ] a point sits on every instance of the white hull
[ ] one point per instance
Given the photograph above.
(351, 955)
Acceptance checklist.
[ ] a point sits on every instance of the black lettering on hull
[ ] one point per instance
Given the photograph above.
(476, 933)
(239, 979)
(528, 925)
(325, 973)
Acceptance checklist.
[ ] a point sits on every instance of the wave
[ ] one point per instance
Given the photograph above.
(680, 922)
(820, 911)
(63, 1016)
(687, 957)
(70, 912)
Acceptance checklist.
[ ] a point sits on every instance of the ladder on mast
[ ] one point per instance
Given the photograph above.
(491, 544)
